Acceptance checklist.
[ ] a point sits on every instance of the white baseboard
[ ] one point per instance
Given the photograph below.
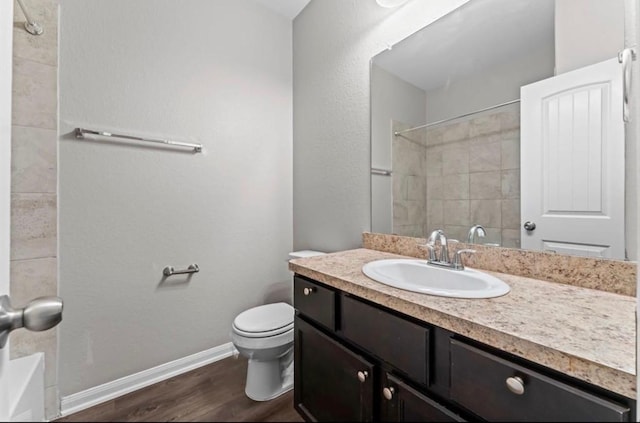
(110, 390)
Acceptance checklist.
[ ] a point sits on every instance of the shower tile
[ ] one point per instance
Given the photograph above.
(510, 119)
(485, 157)
(416, 188)
(33, 226)
(399, 187)
(455, 132)
(33, 278)
(34, 94)
(511, 154)
(42, 48)
(487, 213)
(455, 232)
(511, 214)
(434, 161)
(456, 212)
(485, 186)
(484, 125)
(435, 187)
(456, 159)
(435, 213)
(511, 238)
(511, 184)
(455, 187)
(33, 160)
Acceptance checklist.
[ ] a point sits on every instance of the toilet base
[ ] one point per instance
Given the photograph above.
(267, 380)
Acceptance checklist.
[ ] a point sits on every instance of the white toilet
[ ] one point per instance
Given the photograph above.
(264, 335)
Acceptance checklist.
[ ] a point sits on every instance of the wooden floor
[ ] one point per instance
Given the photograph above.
(211, 393)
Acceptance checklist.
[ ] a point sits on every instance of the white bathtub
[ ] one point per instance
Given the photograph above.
(26, 388)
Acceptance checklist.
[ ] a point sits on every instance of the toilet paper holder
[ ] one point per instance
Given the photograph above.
(170, 270)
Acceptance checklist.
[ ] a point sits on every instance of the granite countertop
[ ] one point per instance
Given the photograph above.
(585, 333)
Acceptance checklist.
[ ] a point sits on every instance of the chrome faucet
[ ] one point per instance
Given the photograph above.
(476, 230)
(436, 235)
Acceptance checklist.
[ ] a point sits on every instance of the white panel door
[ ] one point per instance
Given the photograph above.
(572, 163)
(6, 40)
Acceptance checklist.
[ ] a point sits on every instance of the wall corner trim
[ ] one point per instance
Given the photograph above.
(93, 396)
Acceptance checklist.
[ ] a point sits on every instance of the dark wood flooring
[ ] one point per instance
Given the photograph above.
(210, 393)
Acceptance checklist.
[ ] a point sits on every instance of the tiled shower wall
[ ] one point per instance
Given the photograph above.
(34, 180)
(472, 175)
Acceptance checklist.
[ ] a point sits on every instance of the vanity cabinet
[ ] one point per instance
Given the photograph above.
(358, 361)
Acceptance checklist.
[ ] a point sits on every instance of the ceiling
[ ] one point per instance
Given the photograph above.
(286, 8)
(479, 35)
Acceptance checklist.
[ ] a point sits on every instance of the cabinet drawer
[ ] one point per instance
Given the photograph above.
(401, 403)
(315, 301)
(478, 383)
(399, 342)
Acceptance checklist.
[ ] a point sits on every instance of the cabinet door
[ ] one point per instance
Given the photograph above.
(331, 382)
(401, 403)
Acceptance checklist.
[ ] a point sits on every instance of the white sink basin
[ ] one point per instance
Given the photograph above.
(418, 276)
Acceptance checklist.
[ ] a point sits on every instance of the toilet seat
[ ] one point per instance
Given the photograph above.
(264, 321)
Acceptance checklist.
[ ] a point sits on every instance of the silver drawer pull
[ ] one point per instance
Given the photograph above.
(388, 393)
(515, 385)
(362, 376)
(308, 291)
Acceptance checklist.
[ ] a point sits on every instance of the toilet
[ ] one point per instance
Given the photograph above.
(264, 335)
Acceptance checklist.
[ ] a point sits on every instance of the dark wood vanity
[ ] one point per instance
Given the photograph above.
(359, 361)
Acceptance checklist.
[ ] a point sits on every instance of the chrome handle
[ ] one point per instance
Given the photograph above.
(515, 385)
(457, 259)
(40, 314)
(170, 270)
(625, 57)
(362, 376)
(388, 393)
(308, 291)
(530, 226)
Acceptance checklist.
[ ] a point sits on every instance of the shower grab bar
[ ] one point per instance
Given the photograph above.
(81, 132)
(381, 172)
(170, 270)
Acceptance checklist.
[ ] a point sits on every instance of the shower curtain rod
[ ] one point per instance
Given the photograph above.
(32, 27)
(428, 125)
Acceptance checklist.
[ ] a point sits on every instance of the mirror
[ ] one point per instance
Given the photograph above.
(453, 128)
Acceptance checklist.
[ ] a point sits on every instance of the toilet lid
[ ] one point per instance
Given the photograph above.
(266, 318)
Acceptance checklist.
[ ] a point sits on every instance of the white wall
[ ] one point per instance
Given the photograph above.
(391, 99)
(490, 87)
(213, 72)
(334, 41)
(587, 32)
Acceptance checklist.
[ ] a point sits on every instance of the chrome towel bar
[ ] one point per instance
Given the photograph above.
(81, 132)
(170, 270)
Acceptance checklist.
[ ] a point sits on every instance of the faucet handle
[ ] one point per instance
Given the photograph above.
(457, 259)
(432, 251)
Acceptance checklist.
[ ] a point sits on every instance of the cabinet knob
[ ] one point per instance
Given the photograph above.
(515, 385)
(388, 393)
(308, 291)
(362, 376)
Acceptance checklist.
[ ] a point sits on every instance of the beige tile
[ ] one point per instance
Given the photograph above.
(493, 237)
(511, 154)
(24, 343)
(435, 135)
(435, 213)
(416, 188)
(510, 119)
(409, 230)
(484, 125)
(408, 157)
(42, 48)
(434, 161)
(399, 186)
(456, 212)
(485, 157)
(455, 131)
(455, 187)
(33, 278)
(435, 188)
(487, 213)
(400, 214)
(33, 226)
(35, 100)
(455, 160)
(33, 160)
(511, 214)
(485, 186)
(511, 238)
(511, 184)
(456, 232)
(417, 212)
(51, 402)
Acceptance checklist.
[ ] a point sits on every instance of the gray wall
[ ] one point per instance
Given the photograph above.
(334, 41)
(214, 72)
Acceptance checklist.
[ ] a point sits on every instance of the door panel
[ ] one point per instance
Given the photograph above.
(572, 160)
